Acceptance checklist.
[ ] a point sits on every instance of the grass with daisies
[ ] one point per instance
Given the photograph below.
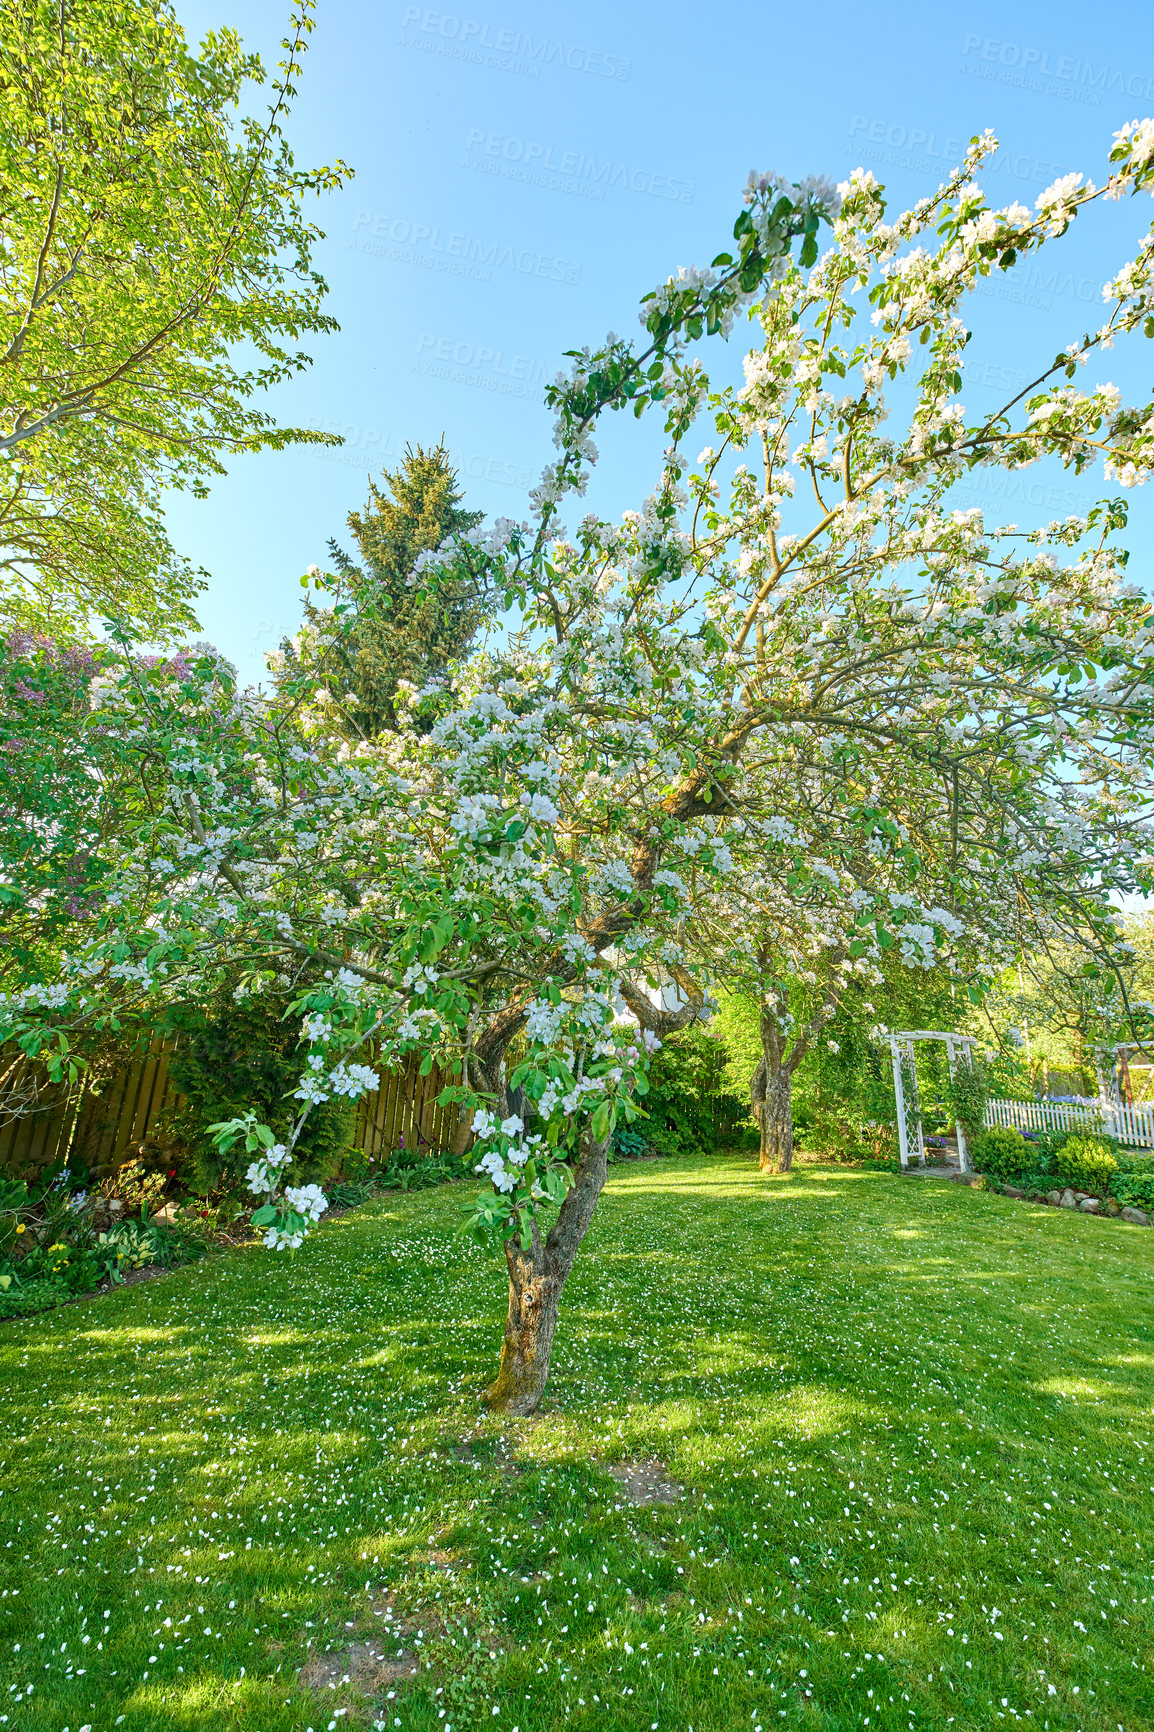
(911, 1423)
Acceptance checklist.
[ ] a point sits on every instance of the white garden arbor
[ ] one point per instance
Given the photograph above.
(959, 1049)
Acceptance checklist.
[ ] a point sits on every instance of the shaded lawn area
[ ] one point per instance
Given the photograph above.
(912, 1421)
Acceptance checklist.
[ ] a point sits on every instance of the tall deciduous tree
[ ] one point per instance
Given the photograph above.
(147, 234)
(584, 797)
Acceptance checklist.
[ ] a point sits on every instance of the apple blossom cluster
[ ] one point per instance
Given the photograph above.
(263, 1175)
(307, 1200)
(288, 1217)
(507, 1150)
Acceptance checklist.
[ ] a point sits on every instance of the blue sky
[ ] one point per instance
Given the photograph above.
(524, 175)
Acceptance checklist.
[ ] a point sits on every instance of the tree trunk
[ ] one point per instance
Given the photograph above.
(537, 1275)
(770, 1092)
(777, 1122)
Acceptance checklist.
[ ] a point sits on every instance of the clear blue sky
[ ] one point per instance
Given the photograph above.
(525, 174)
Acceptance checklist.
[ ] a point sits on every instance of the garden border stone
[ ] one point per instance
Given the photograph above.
(1107, 1209)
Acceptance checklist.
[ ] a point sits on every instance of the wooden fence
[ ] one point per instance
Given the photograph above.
(1043, 1116)
(1134, 1125)
(403, 1112)
(133, 1111)
(100, 1131)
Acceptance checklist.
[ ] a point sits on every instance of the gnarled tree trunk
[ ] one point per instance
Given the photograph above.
(537, 1275)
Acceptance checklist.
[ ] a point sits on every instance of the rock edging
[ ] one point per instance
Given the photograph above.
(1068, 1198)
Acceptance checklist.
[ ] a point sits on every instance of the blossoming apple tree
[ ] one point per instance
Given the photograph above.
(900, 845)
(709, 712)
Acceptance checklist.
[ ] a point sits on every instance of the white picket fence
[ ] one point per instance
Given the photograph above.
(1131, 1125)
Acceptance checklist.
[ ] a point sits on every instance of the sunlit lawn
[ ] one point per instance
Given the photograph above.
(912, 1421)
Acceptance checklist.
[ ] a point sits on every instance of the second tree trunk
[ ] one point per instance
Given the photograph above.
(770, 1095)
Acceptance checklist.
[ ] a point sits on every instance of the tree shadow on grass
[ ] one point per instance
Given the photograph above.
(852, 1378)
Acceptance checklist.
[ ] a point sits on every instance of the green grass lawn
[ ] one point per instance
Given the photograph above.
(912, 1421)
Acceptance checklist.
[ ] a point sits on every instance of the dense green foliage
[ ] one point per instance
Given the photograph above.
(843, 1091)
(150, 234)
(785, 1377)
(685, 1107)
(1003, 1153)
(46, 790)
(68, 801)
(966, 1094)
(233, 1052)
(1133, 1183)
(396, 633)
(1094, 1164)
(1085, 1163)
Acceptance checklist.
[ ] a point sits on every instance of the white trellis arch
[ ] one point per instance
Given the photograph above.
(902, 1050)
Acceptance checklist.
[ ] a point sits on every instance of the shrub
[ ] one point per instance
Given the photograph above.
(1134, 1190)
(1003, 1153)
(884, 1162)
(236, 1055)
(1133, 1183)
(629, 1143)
(1085, 1163)
(1047, 1144)
(848, 1139)
(685, 1080)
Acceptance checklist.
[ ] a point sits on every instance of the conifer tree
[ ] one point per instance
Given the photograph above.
(396, 633)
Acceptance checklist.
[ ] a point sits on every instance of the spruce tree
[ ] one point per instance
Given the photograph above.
(395, 636)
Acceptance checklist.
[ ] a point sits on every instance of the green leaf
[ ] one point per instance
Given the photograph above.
(264, 1216)
(555, 1183)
